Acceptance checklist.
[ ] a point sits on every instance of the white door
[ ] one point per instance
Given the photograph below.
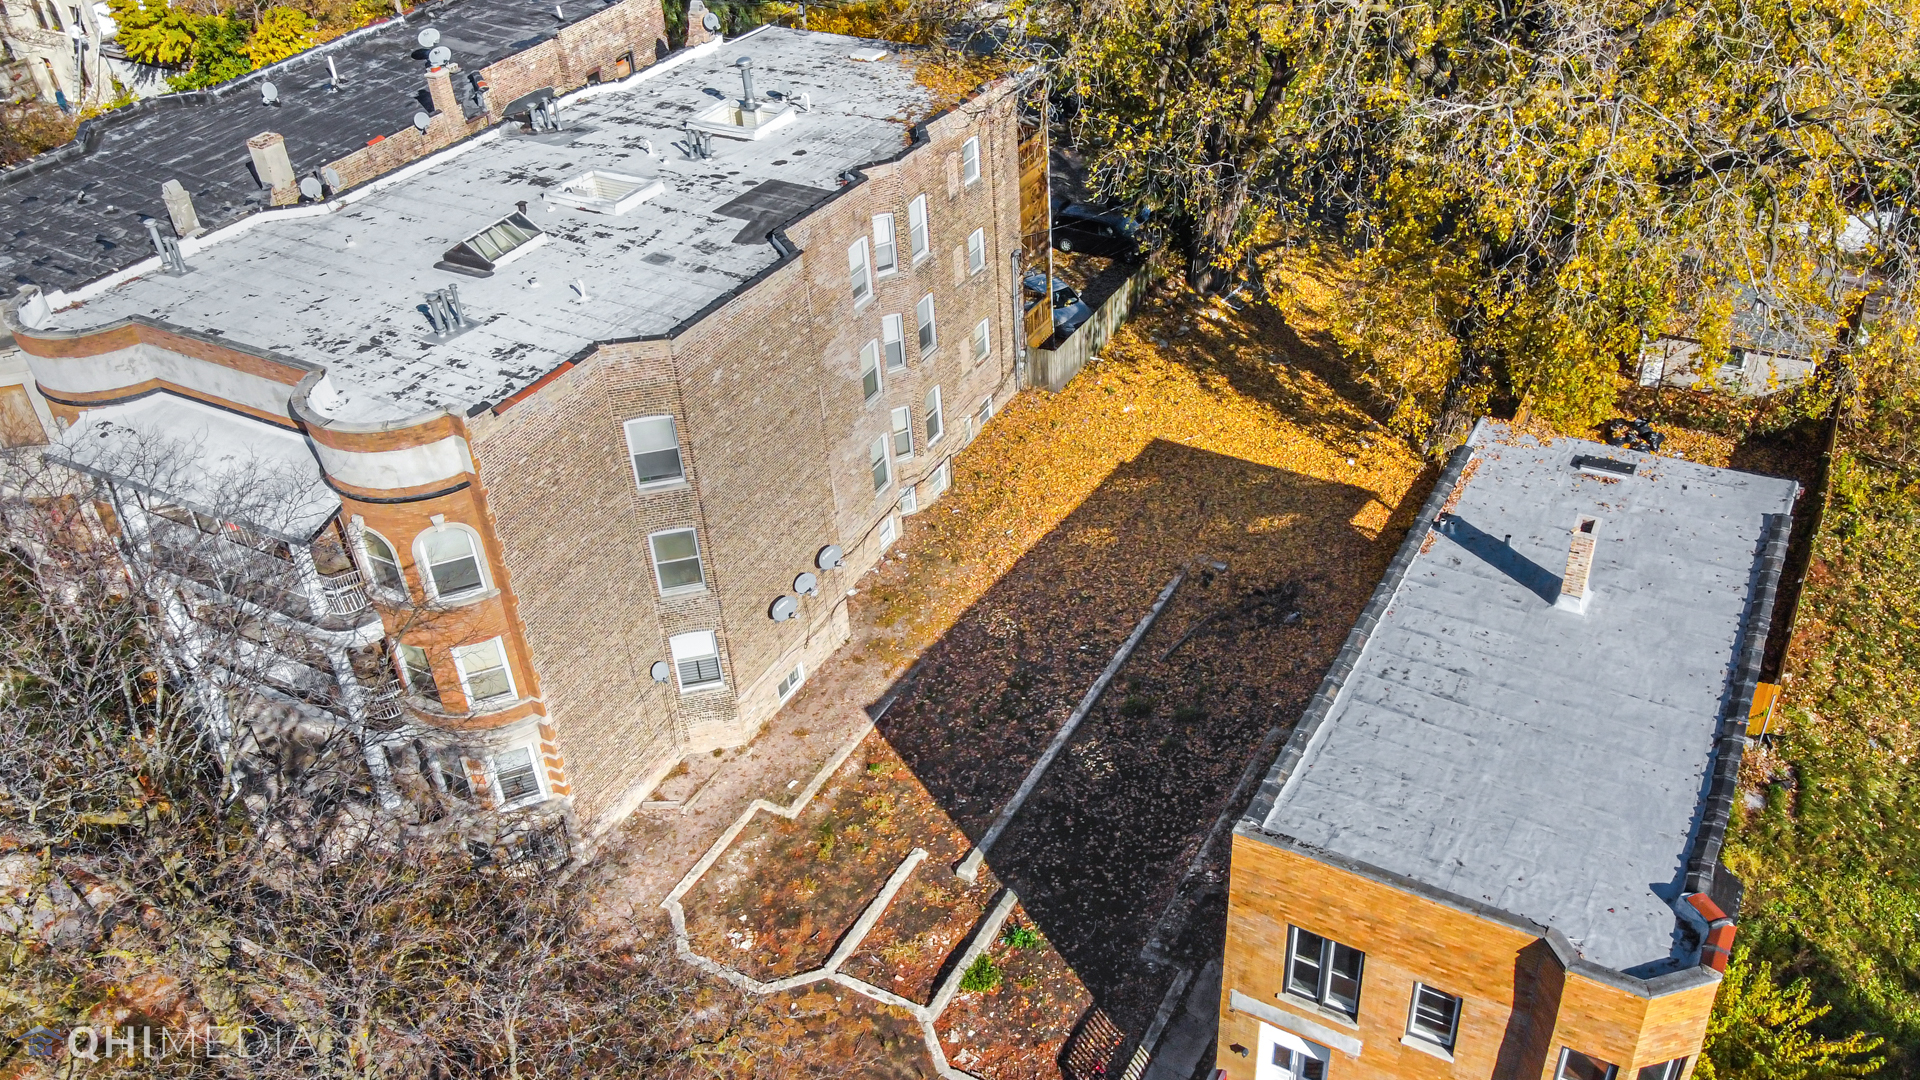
(1286, 1056)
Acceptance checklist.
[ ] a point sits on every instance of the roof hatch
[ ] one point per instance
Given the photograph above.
(604, 192)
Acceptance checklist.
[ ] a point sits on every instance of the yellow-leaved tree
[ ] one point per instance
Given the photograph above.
(1761, 1030)
(282, 32)
(1581, 175)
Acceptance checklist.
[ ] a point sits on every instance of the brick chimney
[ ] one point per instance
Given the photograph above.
(697, 32)
(274, 168)
(445, 105)
(1574, 587)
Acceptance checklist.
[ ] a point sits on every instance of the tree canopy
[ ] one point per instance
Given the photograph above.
(1545, 183)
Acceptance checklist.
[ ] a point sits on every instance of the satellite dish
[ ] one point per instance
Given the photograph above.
(783, 609)
(660, 671)
(711, 22)
(421, 120)
(269, 93)
(310, 187)
(428, 38)
(439, 55)
(330, 176)
(806, 585)
(830, 557)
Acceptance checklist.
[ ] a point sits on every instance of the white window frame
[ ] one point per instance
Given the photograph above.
(1297, 1049)
(889, 531)
(1322, 994)
(909, 501)
(695, 646)
(970, 161)
(893, 341)
(699, 558)
(936, 421)
(791, 682)
(927, 333)
(506, 667)
(917, 234)
(982, 341)
(902, 418)
(425, 566)
(494, 773)
(368, 560)
(1663, 1070)
(859, 273)
(880, 463)
(939, 480)
(1421, 1034)
(679, 454)
(406, 670)
(886, 246)
(976, 251)
(871, 381)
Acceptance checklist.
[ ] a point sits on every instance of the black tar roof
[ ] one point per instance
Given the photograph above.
(75, 214)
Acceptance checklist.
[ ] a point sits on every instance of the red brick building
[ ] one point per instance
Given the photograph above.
(596, 416)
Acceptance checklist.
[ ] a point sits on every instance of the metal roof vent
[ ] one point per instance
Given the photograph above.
(494, 246)
(604, 192)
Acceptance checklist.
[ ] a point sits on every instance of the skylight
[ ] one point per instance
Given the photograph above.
(496, 245)
(604, 192)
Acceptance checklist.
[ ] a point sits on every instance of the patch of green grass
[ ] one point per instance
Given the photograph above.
(983, 976)
(1832, 860)
(823, 839)
(1136, 706)
(1020, 937)
(1189, 714)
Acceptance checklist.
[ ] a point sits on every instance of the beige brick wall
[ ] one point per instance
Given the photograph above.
(765, 394)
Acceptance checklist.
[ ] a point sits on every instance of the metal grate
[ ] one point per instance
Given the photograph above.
(1088, 1054)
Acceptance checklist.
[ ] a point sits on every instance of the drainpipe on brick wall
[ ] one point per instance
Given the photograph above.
(1019, 325)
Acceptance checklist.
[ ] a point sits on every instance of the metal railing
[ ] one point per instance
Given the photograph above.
(346, 592)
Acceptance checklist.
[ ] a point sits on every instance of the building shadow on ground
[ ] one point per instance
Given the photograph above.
(1105, 845)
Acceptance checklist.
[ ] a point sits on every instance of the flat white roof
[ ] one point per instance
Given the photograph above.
(347, 289)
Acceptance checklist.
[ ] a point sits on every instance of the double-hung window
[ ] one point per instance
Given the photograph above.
(970, 160)
(982, 340)
(655, 448)
(877, 461)
(859, 272)
(936, 423)
(917, 228)
(418, 672)
(1575, 1065)
(1435, 1017)
(903, 432)
(1324, 971)
(923, 315)
(893, 337)
(514, 772)
(976, 251)
(870, 370)
(886, 250)
(676, 562)
(483, 672)
(382, 565)
(1666, 1070)
(696, 659)
(453, 563)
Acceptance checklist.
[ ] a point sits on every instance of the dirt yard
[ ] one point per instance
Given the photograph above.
(1211, 442)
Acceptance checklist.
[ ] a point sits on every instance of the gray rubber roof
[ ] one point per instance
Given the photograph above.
(343, 286)
(1547, 763)
(69, 217)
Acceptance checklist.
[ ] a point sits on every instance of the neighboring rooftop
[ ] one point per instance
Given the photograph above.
(1548, 763)
(346, 288)
(69, 219)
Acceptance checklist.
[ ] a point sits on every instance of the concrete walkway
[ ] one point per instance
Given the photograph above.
(1187, 1044)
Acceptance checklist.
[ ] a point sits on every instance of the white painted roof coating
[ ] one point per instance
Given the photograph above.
(346, 289)
(1548, 763)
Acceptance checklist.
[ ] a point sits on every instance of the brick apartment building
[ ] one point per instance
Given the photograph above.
(1491, 846)
(588, 425)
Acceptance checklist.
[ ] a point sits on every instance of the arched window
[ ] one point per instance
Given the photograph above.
(382, 563)
(452, 560)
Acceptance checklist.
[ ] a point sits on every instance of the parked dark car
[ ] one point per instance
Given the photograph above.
(1102, 234)
(1069, 311)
